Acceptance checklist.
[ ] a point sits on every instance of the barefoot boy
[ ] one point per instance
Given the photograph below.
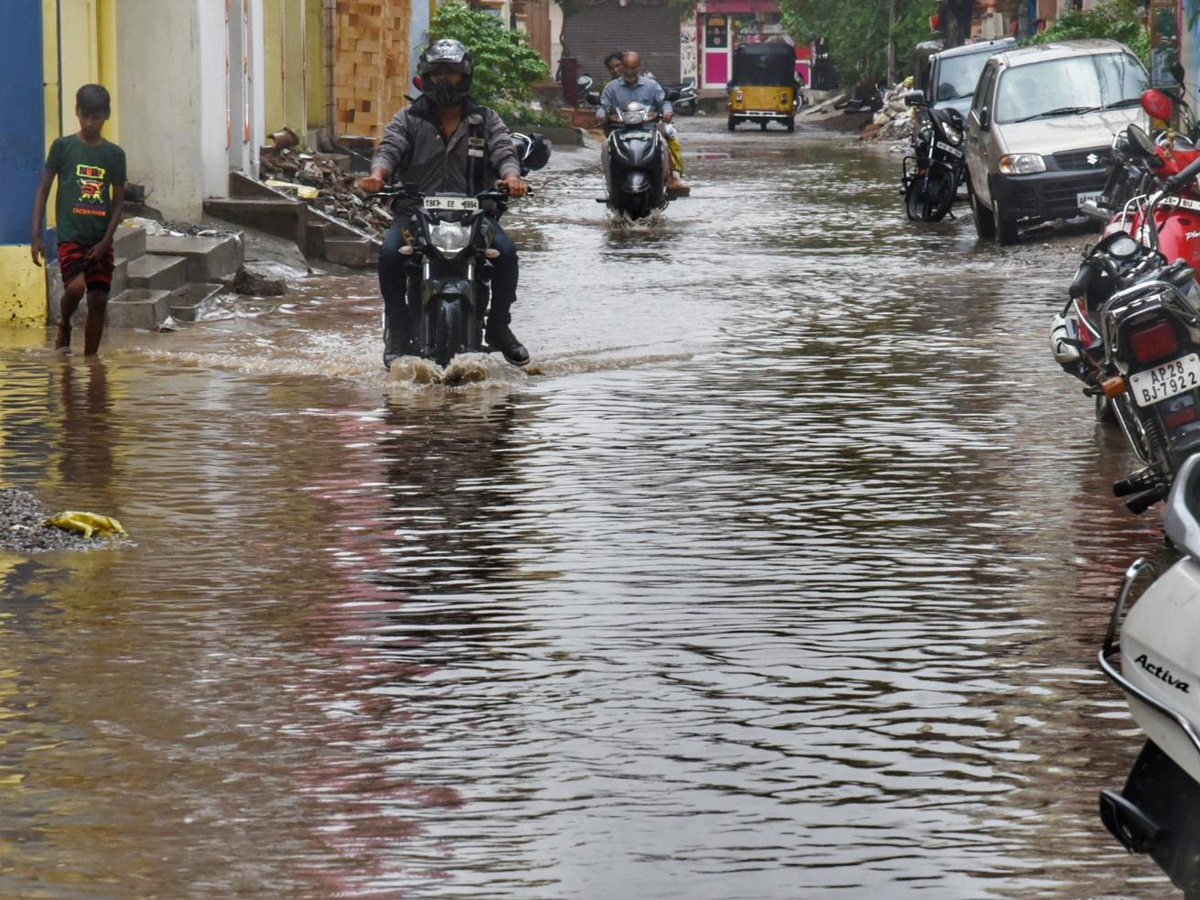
(91, 197)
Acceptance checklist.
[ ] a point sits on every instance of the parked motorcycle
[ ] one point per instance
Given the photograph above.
(449, 257)
(682, 96)
(1131, 333)
(932, 174)
(1158, 811)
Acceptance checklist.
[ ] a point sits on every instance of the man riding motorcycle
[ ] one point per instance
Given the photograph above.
(634, 87)
(445, 142)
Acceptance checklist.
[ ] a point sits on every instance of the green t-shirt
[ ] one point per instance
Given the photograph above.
(86, 176)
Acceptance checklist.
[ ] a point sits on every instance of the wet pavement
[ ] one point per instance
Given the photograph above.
(780, 575)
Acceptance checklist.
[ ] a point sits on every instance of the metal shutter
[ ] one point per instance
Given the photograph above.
(596, 31)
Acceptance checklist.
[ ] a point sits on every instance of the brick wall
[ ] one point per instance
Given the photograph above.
(371, 64)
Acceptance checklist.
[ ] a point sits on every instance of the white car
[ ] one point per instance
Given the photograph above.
(1040, 130)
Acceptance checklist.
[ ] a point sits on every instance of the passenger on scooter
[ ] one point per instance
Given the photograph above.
(612, 62)
(633, 87)
(445, 142)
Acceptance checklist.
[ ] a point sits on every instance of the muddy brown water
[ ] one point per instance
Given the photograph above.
(781, 576)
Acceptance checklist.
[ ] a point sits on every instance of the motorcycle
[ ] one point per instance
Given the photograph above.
(682, 96)
(636, 162)
(1131, 332)
(932, 174)
(1158, 670)
(448, 257)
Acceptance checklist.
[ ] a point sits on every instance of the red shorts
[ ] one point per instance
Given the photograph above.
(72, 259)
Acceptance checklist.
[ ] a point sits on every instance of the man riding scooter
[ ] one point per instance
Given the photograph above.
(633, 87)
(445, 142)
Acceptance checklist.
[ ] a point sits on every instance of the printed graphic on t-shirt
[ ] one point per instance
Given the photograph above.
(91, 191)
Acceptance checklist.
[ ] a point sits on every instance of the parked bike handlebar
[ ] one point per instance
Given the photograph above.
(1190, 171)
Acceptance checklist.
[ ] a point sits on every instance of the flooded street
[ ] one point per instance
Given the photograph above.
(781, 575)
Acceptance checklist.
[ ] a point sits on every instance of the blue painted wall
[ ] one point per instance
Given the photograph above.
(22, 126)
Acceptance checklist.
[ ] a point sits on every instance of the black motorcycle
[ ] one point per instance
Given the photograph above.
(449, 256)
(933, 172)
(1131, 333)
(682, 96)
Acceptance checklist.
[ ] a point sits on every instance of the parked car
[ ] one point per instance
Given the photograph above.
(948, 78)
(1040, 128)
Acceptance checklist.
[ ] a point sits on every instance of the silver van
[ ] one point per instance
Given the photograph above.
(1041, 127)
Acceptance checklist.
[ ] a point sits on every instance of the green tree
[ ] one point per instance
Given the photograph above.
(858, 33)
(506, 66)
(1119, 20)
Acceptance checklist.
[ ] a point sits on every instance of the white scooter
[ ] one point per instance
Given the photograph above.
(1158, 811)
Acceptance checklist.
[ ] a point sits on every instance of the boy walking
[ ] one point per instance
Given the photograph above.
(91, 198)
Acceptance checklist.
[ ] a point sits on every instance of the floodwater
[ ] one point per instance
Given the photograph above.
(782, 575)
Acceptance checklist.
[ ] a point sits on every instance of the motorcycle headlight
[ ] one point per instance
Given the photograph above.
(449, 237)
(1022, 164)
(953, 135)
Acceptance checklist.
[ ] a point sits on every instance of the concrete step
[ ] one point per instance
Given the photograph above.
(158, 273)
(278, 215)
(356, 252)
(120, 278)
(139, 308)
(209, 259)
(129, 243)
(191, 301)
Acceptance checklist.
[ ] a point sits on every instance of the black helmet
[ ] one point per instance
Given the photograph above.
(454, 54)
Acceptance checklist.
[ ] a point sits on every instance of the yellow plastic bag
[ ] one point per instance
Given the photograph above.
(87, 524)
(676, 154)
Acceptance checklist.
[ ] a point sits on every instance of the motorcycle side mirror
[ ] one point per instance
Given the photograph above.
(1157, 105)
(912, 98)
(1140, 141)
(1177, 72)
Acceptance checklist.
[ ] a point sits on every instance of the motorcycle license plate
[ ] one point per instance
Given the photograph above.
(1182, 203)
(953, 151)
(1083, 198)
(451, 204)
(1167, 380)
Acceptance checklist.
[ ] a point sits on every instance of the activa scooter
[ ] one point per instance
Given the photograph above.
(637, 162)
(1158, 645)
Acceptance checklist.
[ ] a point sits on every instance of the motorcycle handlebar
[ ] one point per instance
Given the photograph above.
(499, 194)
(1190, 171)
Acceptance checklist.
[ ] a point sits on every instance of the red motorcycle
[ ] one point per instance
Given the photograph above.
(1131, 328)
(1138, 164)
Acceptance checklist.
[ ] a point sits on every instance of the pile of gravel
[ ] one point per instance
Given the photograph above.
(23, 528)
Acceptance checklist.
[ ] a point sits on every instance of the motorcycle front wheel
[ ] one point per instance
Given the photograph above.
(448, 331)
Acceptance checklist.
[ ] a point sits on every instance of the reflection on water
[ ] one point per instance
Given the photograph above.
(779, 573)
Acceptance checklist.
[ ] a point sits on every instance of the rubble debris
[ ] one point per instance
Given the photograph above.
(155, 228)
(894, 122)
(250, 283)
(337, 195)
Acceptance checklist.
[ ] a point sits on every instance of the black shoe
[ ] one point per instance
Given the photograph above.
(394, 348)
(501, 338)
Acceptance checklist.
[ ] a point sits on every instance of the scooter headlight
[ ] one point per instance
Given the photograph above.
(449, 237)
(1022, 164)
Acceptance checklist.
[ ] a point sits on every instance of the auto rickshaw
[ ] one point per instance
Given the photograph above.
(764, 85)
